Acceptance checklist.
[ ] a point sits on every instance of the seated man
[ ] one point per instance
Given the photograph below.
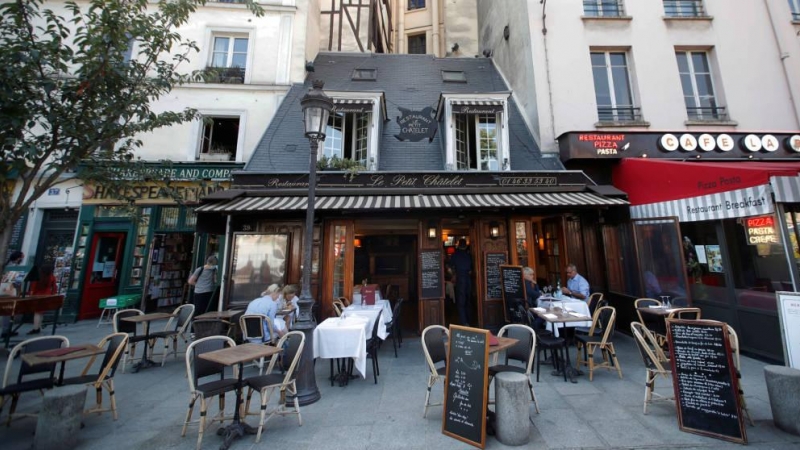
(533, 293)
(266, 305)
(577, 286)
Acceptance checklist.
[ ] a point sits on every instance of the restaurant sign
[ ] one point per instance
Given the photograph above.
(416, 125)
(760, 230)
(395, 181)
(593, 145)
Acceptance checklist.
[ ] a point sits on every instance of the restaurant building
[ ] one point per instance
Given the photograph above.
(445, 155)
(714, 220)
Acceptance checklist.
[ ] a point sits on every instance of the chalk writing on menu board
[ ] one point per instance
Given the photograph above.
(513, 291)
(493, 262)
(466, 388)
(705, 380)
(430, 278)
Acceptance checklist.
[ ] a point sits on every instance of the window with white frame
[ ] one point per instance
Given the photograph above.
(229, 57)
(347, 134)
(684, 8)
(220, 138)
(698, 86)
(795, 7)
(603, 8)
(477, 135)
(612, 87)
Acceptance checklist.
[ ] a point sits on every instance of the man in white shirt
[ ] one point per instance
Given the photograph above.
(577, 286)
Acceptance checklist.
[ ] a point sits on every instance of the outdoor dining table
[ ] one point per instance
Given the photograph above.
(579, 307)
(371, 313)
(61, 355)
(224, 315)
(146, 319)
(557, 319)
(342, 337)
(657, 322)
(238, 355)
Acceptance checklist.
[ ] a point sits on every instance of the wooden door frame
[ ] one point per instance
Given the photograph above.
(327, 257)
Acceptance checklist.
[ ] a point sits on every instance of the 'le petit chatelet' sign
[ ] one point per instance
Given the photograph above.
(416, 125)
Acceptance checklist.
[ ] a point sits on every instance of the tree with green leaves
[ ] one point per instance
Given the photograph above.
(74, 98)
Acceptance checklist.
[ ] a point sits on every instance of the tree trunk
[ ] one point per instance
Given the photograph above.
(5, 238)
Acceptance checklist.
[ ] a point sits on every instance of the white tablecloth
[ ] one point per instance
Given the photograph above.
(371, 313)
(343, 338)
(577, 306)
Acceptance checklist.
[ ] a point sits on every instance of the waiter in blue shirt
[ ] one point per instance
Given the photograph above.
(462, 264)
(577, 286)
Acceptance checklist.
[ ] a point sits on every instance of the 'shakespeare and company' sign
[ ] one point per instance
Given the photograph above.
(145, 192)
(679, 145)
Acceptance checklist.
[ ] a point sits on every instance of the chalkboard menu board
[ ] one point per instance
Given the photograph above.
(513, 287)
(466, 390)
(431, 277)
(704, 378)
(492, 263)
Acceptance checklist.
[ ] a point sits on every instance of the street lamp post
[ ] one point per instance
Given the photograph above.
(316, 108)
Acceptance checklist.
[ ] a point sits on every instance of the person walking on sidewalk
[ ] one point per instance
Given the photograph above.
(204, 280)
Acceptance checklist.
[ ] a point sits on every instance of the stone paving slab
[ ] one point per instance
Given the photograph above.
(603, 414)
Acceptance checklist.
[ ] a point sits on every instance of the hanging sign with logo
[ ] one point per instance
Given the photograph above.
(760, 230)
(416, 125)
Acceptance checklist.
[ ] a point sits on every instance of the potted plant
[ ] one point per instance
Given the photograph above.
(334, 163)
(216, 153)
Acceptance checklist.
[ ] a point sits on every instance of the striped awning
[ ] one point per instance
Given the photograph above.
(786, 189)
(463, 106)
(434, 201)
(344, 105)
(752, 201)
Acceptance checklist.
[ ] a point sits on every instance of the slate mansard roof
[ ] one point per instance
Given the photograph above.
(408, 81)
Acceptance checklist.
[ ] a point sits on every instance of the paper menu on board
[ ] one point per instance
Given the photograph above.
(789, 313)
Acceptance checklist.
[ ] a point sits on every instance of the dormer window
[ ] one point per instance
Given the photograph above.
(352, 131)
(477, 132)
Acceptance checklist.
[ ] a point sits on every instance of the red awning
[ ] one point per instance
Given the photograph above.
(651, 181)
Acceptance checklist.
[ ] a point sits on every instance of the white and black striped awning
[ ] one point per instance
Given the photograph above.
(434, 201)
(344, 105)
(752, 201)
(786, 189)
(463, 106)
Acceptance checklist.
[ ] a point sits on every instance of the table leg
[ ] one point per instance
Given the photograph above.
(238, 428)
(146, 361)
(55, 321)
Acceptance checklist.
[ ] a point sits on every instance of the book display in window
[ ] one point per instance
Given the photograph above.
(80, 251)
(140, 250)
(170, 264)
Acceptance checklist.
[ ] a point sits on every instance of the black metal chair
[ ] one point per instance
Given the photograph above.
(394, 326)
(557, 346)
(104, 377)
(373, 345)
(29, 378)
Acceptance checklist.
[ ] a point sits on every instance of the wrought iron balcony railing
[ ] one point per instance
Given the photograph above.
(684, 8)
(603, 8)
(226, 75)
(715, 113)
(619, 114)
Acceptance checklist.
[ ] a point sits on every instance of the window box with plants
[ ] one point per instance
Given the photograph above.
(224, 75)
(346, 165)
(217, 154)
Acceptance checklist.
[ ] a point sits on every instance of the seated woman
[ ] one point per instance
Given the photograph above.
(287, 301)
(266, 305)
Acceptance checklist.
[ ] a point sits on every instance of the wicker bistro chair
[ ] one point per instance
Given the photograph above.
(523, 351)
(433, 345)
(130, 328)
(182, 316)
(210, 327)
(338, 307)
(593, 300)
(115, 345)
(685, 313)
(344, 301)
(29, 378)
(252, 326)
(654, 361)
(292, 344)
(197, 368)
(590, 343)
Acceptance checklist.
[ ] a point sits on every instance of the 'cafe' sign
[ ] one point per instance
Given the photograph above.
(723, 142)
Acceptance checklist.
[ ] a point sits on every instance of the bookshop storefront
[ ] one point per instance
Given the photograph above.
(147, 248)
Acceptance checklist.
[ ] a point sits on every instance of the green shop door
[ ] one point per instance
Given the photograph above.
(102, 272)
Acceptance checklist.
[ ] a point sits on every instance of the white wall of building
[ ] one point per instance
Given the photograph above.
(758, 81)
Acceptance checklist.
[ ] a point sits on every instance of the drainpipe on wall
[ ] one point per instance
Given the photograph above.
(547, 69)
(435, 21)
(401, 28)
(793, 95)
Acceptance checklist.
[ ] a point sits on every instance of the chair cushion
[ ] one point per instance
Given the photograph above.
(25, 386)
(138, 338)
(263, 381)
(494, 370)
(550, 341)
(217, 387)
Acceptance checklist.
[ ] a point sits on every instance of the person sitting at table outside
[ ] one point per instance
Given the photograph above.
(267, 305)
(285, 302)
(533, 293)
(577, 286)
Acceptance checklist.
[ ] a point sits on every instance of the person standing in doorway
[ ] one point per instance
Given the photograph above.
(204, 280)
(46, 285)
(577, 286)
(462, 264)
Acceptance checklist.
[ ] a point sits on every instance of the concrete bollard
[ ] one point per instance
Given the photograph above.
(783, 387)
(512, 408)
(60, 418)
